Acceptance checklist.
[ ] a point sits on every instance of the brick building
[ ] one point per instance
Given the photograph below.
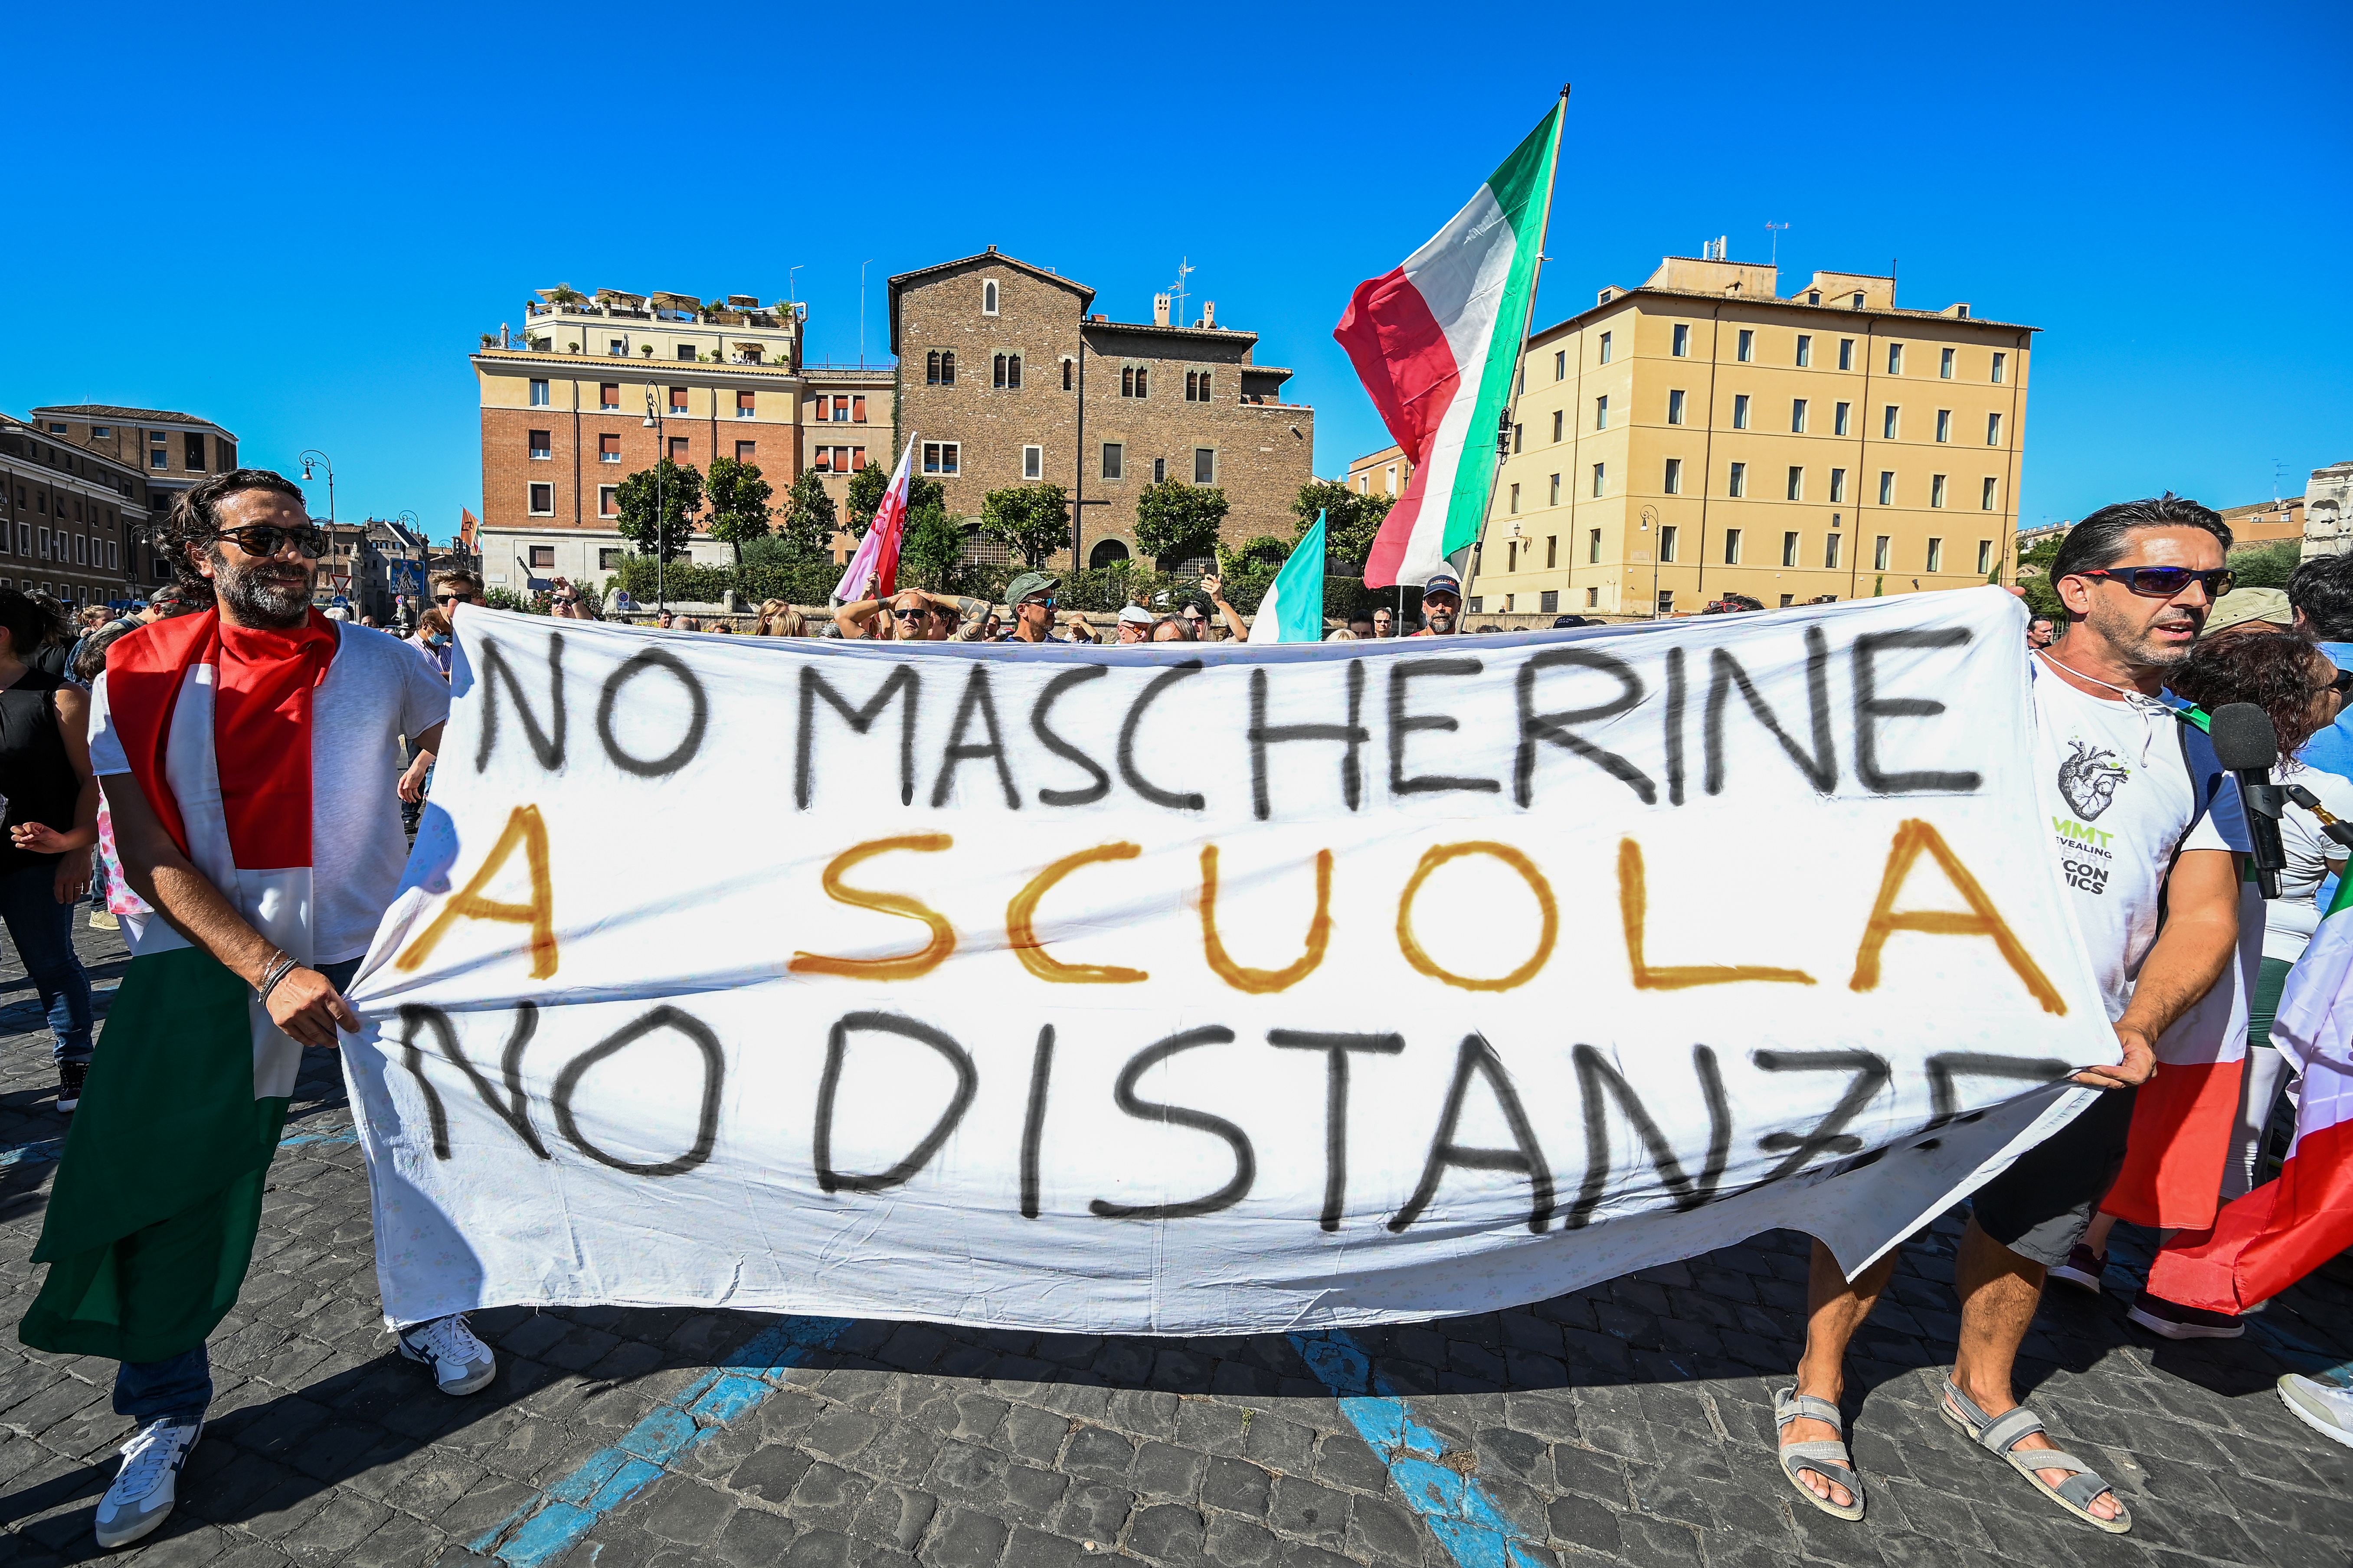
(845, 424)
(169, 451)
(68, 517)
(600, 389)
(1006, 378)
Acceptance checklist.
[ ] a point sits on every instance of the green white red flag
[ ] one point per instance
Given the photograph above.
(1436, 340)
(151, 1222)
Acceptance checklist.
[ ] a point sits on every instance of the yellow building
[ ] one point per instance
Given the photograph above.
(1699, 435)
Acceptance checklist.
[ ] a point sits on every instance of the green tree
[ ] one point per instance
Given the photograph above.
(2034, 580)
(2268, 565)
(1031, 520)
(807, 525)
(870, 484)
(739, 503)
(679, 487)
(1351, 520)
(1177, 521)
(932, 547)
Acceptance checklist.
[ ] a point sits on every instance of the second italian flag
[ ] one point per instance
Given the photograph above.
(1437, 341)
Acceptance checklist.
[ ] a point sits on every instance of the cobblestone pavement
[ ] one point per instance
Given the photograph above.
(1630, 1423)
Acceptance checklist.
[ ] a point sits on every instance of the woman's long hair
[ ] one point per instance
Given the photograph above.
(2271, 670)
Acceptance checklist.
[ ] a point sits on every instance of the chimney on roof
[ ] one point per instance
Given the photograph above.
(1209, 313)
(992, 250)
(1160, 309)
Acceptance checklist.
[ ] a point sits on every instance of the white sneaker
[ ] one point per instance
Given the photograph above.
(460, 1363)
(147, 1485)
(2328, 1411)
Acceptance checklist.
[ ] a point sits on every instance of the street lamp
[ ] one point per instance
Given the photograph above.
(1650, 523)
(315, 459)
(654, 423)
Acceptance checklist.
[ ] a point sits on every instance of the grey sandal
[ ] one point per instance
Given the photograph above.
(1826, 1457)
(2001, 1434)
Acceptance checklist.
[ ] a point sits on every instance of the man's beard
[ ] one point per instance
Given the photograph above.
(2137, 644)
(1440, 621)
(259, 601)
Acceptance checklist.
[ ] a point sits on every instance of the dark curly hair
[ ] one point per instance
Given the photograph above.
(2271, 670)
(193, 524)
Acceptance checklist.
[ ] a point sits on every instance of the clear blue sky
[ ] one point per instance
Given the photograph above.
(296, 221)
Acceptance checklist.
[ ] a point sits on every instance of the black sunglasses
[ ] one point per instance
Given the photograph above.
(449, 598)
(911, 615)
(269, 538)
(2164, 581)
(2341, 684)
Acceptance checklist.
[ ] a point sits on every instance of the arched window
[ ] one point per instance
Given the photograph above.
(948, 368)
(1066, 375)
(1139, 381)
(1192, 386)
(997, 371)
(1127, 381)
(988, 297)
(1106, 552)
(1013, 372)
(932, 368)
(1205, 386)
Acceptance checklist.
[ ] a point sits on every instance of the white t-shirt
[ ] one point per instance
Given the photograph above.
(2111, 782)
(2290, 920)
(377, 690)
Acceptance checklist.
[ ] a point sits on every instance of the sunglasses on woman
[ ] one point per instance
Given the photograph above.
(2164, 581)
(269, 538)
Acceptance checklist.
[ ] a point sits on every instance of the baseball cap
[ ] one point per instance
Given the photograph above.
(1030, 583)
(2241, 605)
(1135, 616)
(1443, 583)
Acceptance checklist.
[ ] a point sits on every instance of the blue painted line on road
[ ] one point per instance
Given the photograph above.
(556, 1519)
(1454, 1506)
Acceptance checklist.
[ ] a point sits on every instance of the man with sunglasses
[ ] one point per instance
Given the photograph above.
(1031, 596)
(248, 757)
(2140, 820)
(917, 615)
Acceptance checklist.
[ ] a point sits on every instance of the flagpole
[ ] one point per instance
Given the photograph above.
(1476, 549)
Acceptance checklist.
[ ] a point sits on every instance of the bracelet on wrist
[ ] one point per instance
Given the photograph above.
(278, 970)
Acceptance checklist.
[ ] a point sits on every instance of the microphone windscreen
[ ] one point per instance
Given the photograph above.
(2243, 737)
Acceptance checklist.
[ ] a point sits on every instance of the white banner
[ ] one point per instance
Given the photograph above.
(1203, 989)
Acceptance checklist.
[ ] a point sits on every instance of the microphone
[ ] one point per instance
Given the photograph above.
(2245, 743)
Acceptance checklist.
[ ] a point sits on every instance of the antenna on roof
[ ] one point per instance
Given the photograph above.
(1185, 269)
(1776, 229)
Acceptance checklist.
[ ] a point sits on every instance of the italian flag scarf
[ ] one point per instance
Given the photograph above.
(151, 1222)
(2266, 1241)
(1436, 340)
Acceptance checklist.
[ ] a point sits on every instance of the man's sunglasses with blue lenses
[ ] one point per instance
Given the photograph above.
(2164, 581)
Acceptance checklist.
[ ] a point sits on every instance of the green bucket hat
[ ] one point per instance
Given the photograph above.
(1030, 583)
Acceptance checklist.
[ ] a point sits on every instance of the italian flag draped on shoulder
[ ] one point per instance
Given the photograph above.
(150, 1221)
(1436, 340)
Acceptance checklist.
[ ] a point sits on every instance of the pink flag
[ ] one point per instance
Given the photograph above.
(877, 560)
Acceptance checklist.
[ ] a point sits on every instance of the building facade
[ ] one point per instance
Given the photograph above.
(846, 423)
(1700, 436)
(596, 389)
(170, 451)
(1007, 379)
(1387, 472)
(68, 517)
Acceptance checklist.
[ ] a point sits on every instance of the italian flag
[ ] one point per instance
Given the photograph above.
(1437, 341)
(877, 560)
(1293, 610)
(151, 1222)
(2281, 1231)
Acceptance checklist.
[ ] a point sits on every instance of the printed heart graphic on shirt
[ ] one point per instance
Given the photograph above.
(2089, 779)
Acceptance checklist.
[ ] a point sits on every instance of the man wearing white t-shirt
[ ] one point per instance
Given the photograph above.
(247, 537)
(2130, 820)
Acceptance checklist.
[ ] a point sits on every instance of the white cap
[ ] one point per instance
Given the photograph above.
(1135, 616)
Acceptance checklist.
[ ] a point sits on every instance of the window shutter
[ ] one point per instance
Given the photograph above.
(744, 402)
(858, 410)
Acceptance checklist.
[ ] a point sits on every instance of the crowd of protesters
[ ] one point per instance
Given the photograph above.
(2150, 638)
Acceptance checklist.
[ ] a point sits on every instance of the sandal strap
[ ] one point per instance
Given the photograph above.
(2005, 1431)
(1790, 1405)
(1820, 1454)
(2081, 1488)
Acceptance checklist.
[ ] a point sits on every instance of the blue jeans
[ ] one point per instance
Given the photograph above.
(178, 1389)
(42, 930)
